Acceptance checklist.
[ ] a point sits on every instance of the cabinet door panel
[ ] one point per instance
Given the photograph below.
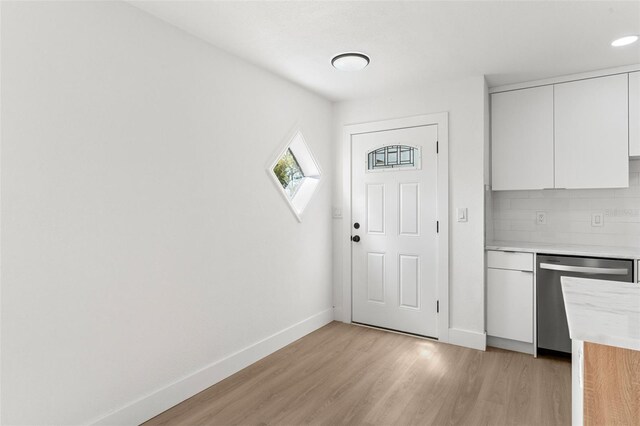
(510, 304)
(591, 133)
(634, 113)
(522, 139)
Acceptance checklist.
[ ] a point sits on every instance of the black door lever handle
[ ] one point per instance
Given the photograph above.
(355, 239)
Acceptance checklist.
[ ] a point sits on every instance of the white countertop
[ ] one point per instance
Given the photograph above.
(568, 249)
(604, 312)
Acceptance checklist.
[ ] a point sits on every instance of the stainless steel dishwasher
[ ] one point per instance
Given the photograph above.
(553, 331)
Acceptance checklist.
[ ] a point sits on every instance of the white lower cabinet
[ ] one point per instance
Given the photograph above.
(510, 296)
(510, 304)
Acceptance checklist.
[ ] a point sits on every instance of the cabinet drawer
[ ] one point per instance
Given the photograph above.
(510, 304)
(510, 260)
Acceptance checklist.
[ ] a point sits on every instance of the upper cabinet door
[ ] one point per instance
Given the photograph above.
(522, 139)
(634, 113)
(591, 133)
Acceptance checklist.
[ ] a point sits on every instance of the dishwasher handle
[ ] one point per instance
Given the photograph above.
(585, 269)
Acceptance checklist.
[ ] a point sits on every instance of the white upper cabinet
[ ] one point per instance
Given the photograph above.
(578, 134)
(634, 113)
(522, 139)
(591, 133)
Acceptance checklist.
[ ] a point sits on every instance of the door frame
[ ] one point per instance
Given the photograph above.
(442, 286)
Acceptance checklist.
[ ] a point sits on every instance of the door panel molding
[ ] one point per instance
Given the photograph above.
(375, 208)
(408, 279)
(409, 209)
(375, 277)
(441, 120)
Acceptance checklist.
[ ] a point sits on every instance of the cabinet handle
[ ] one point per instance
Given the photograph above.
(584, 269)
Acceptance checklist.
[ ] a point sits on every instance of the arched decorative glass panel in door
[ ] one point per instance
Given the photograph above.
(393, 157)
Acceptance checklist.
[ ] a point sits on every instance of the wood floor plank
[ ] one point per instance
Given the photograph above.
(344, 374)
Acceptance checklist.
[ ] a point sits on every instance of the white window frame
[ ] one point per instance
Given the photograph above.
(299, 203)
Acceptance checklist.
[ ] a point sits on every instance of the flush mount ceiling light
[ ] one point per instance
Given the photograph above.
(350, 61)
(623, 41)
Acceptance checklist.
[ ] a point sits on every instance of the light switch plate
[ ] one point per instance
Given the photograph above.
(462, 214)
(337, 213)
(597, 219)
(541, 218)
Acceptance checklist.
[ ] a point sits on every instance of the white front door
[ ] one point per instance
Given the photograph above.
(394, 216)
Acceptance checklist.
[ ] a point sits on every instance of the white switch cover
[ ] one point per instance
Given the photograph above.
(462, 214)
(597, 219)
(337, 213)
(541, 218)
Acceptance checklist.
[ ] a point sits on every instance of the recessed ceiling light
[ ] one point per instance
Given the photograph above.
(351, 61)
(623, 41)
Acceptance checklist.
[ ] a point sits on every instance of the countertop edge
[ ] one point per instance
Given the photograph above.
(611, 341)
(597, 251)
(592, 327)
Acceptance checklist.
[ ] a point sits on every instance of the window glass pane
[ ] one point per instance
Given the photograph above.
(289, 173)
(405, 155)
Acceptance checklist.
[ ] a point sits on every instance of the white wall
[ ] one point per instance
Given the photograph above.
(465, 101)
(142, 239)
(569, 215)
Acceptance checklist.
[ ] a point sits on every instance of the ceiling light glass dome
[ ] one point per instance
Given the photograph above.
(351, 61)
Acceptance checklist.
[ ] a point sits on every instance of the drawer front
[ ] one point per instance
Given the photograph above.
(510, 260)
(510, 304)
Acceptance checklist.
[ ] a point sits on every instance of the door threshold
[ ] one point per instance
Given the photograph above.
(391, 330)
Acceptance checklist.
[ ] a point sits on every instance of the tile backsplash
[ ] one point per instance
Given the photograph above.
(568, 215)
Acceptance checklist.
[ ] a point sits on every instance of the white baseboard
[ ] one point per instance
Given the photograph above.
(510, 345)
(160, 400)
(337, 314)
(469, 339)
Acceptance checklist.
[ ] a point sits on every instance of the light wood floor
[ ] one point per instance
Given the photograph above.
(344, 374)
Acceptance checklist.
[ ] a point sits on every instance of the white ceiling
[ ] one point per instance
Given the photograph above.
(412, 43)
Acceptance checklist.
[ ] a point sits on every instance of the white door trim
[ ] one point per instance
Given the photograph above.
(442, 121)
